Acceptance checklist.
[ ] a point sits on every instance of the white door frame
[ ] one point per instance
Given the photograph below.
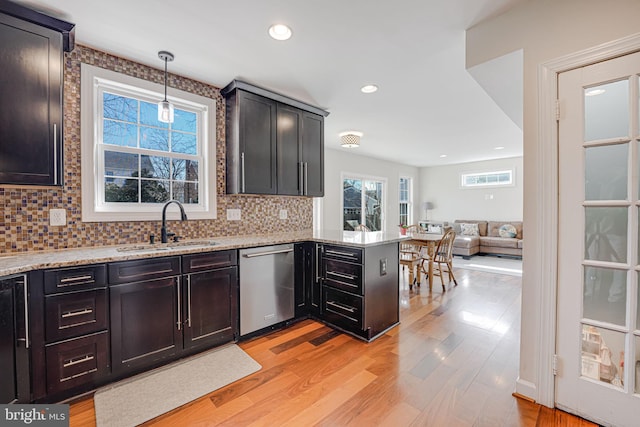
(547, 201)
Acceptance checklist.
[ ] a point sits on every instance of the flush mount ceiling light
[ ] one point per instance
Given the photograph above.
(350, 139)
(594, 92)
(280, 32)
(442, 156)
(165, 108)
(499, 148)
(369, 88)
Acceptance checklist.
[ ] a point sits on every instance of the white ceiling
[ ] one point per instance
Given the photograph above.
(428, 104)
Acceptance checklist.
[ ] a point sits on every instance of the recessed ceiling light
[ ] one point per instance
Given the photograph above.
(594, 92)
(280, 32)
(499, 148)
(442, 156)
(369, 88)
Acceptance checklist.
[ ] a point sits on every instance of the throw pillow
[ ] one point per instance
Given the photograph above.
(469, 229)
(507, 230)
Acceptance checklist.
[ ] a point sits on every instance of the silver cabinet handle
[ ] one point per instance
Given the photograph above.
(26, 310)
(344, 276)
(76, 313)
(345, 254)
(257, 254)
(301, 178)
(342, 306)
(318, 251)
(55, 153)
(77, 280)
(243, 187)
(179, 302)
(189, 300)
(305, 167)
(72, 362)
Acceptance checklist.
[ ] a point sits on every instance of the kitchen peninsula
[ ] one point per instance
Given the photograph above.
(82, 302)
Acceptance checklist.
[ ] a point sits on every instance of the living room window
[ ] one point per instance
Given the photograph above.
(362, 202)
(487, 179)
(132, 163)
(405, 194)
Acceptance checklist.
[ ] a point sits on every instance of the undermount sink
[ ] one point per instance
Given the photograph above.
(166, 246)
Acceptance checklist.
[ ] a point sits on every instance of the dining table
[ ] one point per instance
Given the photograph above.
(430, 241)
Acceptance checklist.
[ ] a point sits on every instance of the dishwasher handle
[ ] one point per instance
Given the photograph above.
(257, 254)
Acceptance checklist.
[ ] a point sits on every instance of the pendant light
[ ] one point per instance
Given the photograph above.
(165, 108)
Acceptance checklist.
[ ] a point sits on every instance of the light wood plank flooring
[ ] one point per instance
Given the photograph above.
(453, 361)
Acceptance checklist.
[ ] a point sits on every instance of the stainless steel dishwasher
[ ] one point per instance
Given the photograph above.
(266, 287)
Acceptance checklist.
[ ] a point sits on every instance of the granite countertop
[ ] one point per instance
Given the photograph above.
(27, 261)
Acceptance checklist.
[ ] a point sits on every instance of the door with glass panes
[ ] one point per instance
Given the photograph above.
(598, 324)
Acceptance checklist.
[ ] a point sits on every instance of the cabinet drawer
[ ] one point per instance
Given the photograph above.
(344, 253)
(75, 278)
(209, 261)
(342, 309)
(143, 269)
(74, 314)
(343, 275)
(77, 362)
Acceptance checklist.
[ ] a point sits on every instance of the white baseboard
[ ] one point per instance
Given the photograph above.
(527, 389)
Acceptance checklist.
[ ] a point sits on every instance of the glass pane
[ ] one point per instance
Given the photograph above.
(121, 190)
(404, 214)
(602, 355)
(152, 191)
(149, 115)
(184, 121)
(637, 367)
(120, 164)
(185, 192)
(119, 133)
(606, 172)
(606, 111)
(352, 199)
(119, 108)
(155, 167)
(606, 234)
(373, 205)
(605, 295)
(184, 143)
(154, 139)
(185, 170)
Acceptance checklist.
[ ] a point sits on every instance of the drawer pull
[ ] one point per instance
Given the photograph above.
(90, 371)
(77, 313)
(78, 280)
(347, 254)
(73, 362)
(341, 306)
(344, 276)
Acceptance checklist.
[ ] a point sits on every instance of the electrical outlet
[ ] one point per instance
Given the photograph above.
(234, 215)
(57, 217)
(283, 214)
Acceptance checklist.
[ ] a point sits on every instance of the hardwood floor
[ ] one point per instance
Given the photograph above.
(452, 361)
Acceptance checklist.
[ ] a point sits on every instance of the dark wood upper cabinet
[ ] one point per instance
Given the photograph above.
(31, 88)
(275, 144)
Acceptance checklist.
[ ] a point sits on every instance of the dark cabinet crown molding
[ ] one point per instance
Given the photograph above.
(248, 87)
(19, 11)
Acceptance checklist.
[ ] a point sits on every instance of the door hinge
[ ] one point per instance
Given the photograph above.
(557, 110)
(554, 364)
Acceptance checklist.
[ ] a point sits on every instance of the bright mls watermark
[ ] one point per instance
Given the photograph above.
(34, 415)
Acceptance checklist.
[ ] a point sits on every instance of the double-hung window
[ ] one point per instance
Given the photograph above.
(131, 163)
(405, 196)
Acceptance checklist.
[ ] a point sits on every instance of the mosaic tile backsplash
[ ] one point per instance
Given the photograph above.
(24, 225)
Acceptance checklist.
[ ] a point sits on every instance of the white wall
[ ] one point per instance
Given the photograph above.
(337, 162)
(546, 30)
(441, 185)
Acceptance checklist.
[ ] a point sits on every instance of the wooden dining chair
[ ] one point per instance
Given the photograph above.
(361, 227)
(410, 257)
(442, 258)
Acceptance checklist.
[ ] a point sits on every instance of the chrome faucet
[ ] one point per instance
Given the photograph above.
(163, 230)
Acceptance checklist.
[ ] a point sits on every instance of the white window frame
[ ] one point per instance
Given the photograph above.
(383, 211)
(409, 201)
(94, 81)
(511, 183)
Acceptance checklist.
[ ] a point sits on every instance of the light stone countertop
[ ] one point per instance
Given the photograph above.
(28, 261)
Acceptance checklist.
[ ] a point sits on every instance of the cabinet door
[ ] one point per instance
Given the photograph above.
(211, 307)
(31, 104)
(257, 144)
(289, 166)
(300, 274)
(313, 154)
(145, 323)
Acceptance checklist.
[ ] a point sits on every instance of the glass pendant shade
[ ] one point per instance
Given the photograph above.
(165, 111)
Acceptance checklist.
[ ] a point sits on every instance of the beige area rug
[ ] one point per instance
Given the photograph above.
(138, 399)
(490, 264)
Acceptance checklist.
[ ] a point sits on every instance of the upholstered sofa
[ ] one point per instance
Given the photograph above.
(487, 237)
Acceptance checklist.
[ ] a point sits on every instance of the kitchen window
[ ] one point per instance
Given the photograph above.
(362, 203)
(405, 194)
(132, 163)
